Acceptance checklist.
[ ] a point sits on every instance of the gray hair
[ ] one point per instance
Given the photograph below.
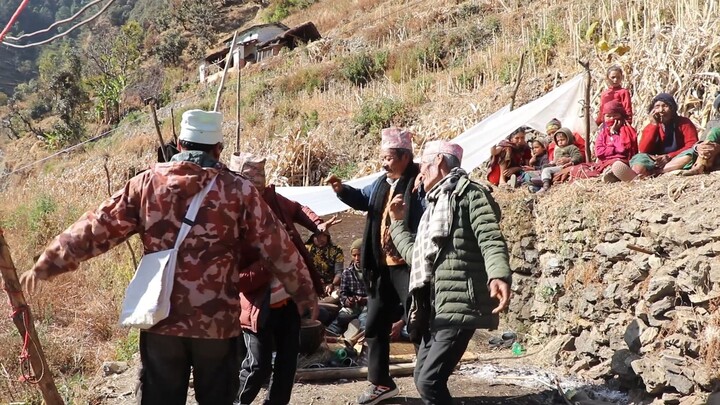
(451, 160)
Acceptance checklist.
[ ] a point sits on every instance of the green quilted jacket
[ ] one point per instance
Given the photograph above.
(475, 253)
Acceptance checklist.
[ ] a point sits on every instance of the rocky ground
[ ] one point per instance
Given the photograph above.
(622, 281)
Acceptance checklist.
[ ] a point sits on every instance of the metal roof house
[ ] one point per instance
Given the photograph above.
(255, 44)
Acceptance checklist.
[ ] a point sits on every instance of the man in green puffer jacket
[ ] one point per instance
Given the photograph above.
(460, 271)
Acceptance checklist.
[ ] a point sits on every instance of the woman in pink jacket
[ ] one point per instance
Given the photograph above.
(616, 140)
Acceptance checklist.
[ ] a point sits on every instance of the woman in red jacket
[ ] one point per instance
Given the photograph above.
(666, 136)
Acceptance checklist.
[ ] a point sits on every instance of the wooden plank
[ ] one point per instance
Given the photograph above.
(335, 373)
(23, 320)
(401, 369)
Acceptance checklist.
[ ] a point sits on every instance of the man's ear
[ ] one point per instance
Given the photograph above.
(217, 150)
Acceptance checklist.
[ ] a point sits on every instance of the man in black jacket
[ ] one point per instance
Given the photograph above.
(386, 273)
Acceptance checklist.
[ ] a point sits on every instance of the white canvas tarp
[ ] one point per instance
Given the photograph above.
(564, 103)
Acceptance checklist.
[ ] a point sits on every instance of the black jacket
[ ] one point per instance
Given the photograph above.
(371, 199)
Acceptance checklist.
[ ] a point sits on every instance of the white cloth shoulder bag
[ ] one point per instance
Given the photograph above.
(147, 297)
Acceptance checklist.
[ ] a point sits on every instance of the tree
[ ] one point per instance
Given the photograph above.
(170, 48)
(114, 57)
(61, 78)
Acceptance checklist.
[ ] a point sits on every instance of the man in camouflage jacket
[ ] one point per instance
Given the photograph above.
(202, 328)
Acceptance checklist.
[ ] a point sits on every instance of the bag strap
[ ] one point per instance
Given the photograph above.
(189, 219)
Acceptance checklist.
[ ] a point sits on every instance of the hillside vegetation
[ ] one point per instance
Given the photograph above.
(437, 66)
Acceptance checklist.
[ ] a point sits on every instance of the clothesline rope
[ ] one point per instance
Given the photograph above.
(71, 29)
(55, 24)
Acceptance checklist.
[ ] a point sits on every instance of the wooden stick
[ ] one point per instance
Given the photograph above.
(157, 129)
(222, 79)
(640, 249)
(334, 373)
(518, 78)
(172, 121)
(237, 110)
(586, 65)
(23, 320)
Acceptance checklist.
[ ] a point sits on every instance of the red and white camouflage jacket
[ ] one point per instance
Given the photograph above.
(204, 301)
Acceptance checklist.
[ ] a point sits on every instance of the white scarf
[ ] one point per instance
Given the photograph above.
(434, 229)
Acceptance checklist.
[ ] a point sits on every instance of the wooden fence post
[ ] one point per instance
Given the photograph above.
(586, 109)
(23, 320)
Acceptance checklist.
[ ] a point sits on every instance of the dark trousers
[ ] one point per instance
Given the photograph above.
(166, 363)
(437, 356)
(282, 327)
(382, 311)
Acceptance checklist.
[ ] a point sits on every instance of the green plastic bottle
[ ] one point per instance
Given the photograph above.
(518, 349)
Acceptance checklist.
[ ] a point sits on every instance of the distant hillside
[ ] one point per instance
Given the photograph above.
(20, 65)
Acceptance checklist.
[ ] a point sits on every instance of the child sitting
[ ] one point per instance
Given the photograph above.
(615, 91)
(353, 295)
(553, 127)
(538, 161)
(566, 155)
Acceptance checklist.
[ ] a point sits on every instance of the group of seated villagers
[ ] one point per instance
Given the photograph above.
(668, 143)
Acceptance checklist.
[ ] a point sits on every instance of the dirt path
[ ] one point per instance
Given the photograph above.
(118, 390)
(465, 390)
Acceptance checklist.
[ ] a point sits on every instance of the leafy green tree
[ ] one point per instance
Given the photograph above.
(114, 57)
(61, 76)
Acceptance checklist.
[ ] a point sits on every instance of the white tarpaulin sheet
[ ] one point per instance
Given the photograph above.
(564, 103)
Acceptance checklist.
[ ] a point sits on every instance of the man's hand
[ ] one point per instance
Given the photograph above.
(28, 281)
(311, 305)
(396, 329)
(334, 182)
(329, 289)
(323, 227)
(397, 208)
(501, 290)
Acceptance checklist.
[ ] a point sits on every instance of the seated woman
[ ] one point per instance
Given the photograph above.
(703, 156)
(666, 136)
(508, 158)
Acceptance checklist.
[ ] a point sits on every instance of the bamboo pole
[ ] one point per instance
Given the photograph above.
(237, 109)
(23, 320)
(222, 79)
(586, 108)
